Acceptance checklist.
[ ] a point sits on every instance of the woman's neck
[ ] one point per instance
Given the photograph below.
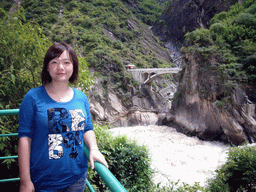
(59, 87)
(59, 92)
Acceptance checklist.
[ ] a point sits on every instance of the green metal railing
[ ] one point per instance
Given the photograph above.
(113, 184)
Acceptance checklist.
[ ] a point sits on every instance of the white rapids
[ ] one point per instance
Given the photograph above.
(175, 156)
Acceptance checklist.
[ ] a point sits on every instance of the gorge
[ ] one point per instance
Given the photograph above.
(211, 99)
(110, 42)
(195, 111)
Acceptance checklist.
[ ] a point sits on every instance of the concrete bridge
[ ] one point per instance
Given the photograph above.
(147, 75)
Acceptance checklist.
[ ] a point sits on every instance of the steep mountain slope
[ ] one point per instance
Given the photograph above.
(109, 36)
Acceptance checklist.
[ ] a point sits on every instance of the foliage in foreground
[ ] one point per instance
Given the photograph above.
(129, 162)
(238, 174)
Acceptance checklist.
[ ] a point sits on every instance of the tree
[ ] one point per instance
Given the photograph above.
(22, 49)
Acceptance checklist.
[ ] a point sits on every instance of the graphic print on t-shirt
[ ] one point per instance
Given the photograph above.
(65, 130)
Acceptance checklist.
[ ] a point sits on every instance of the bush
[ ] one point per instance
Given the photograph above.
(129, 162)
(200, 37)
(238, 174)
(218, 28)
(252, 10)
(246, 19)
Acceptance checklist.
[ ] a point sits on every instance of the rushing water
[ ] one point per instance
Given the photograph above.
(177, 157)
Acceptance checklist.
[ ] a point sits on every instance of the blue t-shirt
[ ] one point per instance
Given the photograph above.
(57, 131)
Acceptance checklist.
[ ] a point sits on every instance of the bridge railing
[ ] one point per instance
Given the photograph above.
(170, 69)
(110, 180)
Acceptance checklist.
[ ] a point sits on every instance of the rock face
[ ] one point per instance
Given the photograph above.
(184, 16)
(106, 107)
(196, 111)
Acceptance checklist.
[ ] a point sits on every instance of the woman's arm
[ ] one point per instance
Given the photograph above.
(24, 149)
(95, 154)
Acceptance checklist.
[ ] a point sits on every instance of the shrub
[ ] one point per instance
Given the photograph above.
(248, 3)
(129, 162)
(252, 10)
(200, 37)
(219, 17)
(246, 19)
(218, 28)
(239, 171)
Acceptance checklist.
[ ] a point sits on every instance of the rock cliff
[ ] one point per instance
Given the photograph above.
(184, 16)
(196, 107)
(142, 108)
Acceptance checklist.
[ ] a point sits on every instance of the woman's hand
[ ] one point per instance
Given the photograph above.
(96, 155)
(27, 186)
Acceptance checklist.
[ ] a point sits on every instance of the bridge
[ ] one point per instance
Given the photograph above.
(147, 75)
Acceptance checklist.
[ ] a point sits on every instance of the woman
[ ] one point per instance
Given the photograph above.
(54, 124)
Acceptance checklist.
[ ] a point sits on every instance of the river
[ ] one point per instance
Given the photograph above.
(175, 156)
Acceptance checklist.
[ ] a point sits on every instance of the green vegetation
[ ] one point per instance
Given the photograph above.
(231, 42)
(84, 23)
(238, 174)
(149, 11)
(22, 48)
(129, 162)
(234, 35)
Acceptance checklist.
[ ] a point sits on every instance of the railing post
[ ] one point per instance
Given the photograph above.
(113, 184)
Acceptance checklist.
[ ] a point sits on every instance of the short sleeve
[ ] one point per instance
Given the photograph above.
(88, 125)
(27, 116)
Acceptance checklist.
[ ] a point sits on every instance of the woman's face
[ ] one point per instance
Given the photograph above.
(61, 69)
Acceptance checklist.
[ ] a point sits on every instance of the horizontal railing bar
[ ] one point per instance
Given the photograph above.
(8, 180)
(9, 112)
(113, 184)
(9, 134)
(8, 157)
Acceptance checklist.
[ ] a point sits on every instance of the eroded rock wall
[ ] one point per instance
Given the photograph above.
(196, 110)
(107, 107)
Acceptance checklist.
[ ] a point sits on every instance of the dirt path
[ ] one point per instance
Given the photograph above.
(176, 156)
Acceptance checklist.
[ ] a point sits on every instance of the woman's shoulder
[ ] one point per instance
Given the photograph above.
(78, 91)
(79, 94)
(33, 96)
(35, 92)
